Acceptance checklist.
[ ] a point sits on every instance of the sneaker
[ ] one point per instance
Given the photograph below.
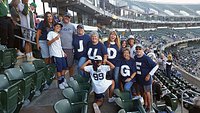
(65, 84)
(71, 79)
(19, 53)
(96, 108)
(29, 59)
(61, 86)
(112, 99)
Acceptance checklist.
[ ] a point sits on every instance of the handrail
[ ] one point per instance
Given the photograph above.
(25, 39)
(187, 90)
(26, 27)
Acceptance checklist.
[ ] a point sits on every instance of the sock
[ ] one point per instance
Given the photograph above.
(63, 78)
(28, 54)
(60, 80)
(31, 54)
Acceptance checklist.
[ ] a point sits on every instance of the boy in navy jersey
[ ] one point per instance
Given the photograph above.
(146, 68)
(99, 82)
(80, 43)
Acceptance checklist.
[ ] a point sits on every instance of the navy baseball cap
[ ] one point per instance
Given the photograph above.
(80, 26)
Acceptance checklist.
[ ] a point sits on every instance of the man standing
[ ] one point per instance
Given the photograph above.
(66, 38)
(6, 29)
(27, 21)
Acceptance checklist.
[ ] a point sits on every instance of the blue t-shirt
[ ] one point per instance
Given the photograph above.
(127, 68)
(44, 30)
(143, 66)
(113, 53)
(96, 50)
(80, 44)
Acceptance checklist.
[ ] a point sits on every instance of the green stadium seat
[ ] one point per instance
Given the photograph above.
(123, 111)
(41, 71)
(123, 95)
(37, 76)
(78, 87)
(5, 59)
(9, 94)
(64, 106)
(75, 97)
(171, 100)
(51, 71)
(130, 105)
(81, 79)
(16, 74)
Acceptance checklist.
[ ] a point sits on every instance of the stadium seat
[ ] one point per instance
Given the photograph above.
(78, 88)
(29, 69)
(9, 94)
(130, 105)
(81, 79)
(64, 106)
(51, 71)
(171, 100)
(16, 74)
(123, 111)
(123, 95)
(5, 59)
(75, 97)
(41, 71)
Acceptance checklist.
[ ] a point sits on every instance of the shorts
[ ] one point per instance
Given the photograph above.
(60, 63)
(70, 56)
(147, 88)
(99, 96)
(44, 49)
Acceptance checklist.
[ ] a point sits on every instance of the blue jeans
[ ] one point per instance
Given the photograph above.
(116, 77)
(81, 61)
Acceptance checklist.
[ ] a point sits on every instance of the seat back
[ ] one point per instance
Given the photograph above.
(74, 84)
(63, 106)
(8, 95)
(27, 68)
(4, 81)
(123, 95)
(14, 73)
(69, 94)
(39, 64)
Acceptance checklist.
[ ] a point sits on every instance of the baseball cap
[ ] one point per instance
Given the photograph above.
(80, 26)
(131, 37)
(58, 23)
(97, 58)
(138, 46)
(33, 4)
(67, 14)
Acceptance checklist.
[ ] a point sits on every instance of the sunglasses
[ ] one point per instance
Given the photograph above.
(138, 48)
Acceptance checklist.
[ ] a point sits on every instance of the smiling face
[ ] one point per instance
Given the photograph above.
(66, 19)
(57, 28)
(139, 51)
(126, 54)
(94, 38)
(80, 31)
(112, 37)
(49, 18)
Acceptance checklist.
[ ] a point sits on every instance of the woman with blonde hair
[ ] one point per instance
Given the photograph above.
(113, 48)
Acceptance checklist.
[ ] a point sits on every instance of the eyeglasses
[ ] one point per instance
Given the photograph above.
(138, 48)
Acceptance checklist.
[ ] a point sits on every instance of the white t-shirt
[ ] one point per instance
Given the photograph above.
(55, 48)
(99, 82)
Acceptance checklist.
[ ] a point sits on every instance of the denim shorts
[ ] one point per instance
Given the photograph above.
(60, 63)
(44, 49)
